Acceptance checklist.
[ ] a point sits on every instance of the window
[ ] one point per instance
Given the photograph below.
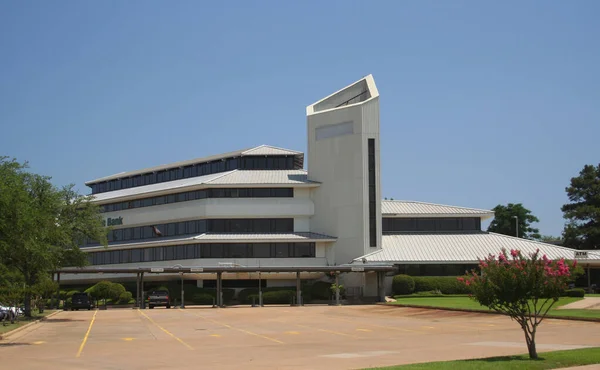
(201, 194)
(261, 250)
(237, 250)
(372, 194)
(303, 250)
(282, 250)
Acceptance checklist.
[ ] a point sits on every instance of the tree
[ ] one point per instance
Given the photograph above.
(523, 288)
(551, 239)
(505, 223)
(106, 290)
(41, 226)
(582, 230)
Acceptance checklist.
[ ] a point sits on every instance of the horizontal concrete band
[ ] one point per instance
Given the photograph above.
(234, 269)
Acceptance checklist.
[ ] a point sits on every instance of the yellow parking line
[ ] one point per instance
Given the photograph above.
(363, 330)
(87, 334)
(238, 329)
(166, 331)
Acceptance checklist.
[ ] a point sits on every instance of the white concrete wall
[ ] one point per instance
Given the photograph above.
(340, 163)
(296, 207)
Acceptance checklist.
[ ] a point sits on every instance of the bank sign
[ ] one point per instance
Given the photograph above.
(113, 221)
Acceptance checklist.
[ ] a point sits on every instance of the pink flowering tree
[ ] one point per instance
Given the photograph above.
(524, 288)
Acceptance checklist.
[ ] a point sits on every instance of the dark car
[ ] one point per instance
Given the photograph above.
(159, 298)
(81, 301)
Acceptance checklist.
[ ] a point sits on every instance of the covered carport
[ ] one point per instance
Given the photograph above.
(140, 272)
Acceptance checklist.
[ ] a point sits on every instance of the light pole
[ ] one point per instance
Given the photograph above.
(516, 225)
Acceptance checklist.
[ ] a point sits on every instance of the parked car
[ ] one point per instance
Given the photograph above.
(159, 298)
(81, 301)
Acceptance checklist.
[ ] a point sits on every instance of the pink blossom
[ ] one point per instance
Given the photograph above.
(514, 252)
(502, 258)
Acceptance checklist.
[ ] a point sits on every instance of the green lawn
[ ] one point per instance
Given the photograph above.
(23, 321)
(462, 302)
(547, 360)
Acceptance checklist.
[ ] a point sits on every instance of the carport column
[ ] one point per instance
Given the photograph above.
(298, 291)
(142, 290)
(589, 274)
(58, 290)
(337, 289)
(219, 289)
(381, 286)
(137, 290)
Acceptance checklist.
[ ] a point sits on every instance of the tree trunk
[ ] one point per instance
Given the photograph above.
(27, 298)
(530, 339)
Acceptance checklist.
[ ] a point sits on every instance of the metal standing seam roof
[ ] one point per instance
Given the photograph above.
(269, 150)
(263, 177)
(410, 208)
(448, 248)
(234, 177)
(220, 237)
(259, 150)
(154, 188)
(296, 236)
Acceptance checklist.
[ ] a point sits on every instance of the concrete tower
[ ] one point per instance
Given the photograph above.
(343, 154)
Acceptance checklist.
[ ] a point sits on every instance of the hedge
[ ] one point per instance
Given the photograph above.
(577, 292)
(278, 297)
(202, 298)
(245, 295)
(445, 284)
(403, 284)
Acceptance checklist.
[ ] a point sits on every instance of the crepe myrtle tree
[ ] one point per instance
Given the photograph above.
(524, 288)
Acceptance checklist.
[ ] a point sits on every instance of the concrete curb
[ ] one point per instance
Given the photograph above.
(16, 330)
(571, 318)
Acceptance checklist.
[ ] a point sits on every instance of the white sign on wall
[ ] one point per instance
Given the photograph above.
(581, 254)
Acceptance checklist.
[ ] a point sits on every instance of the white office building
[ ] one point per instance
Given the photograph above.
(259, 207)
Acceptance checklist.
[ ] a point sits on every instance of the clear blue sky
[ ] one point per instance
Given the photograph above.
(481, 102)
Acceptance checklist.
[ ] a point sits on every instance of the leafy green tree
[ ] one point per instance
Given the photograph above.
(582, 230)
(41, 226)
(505, 222)
(524, 288)
(551, 239)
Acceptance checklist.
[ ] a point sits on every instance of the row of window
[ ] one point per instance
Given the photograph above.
(241, 225)
(372, 195)
(200, 169)
(209, 250)
(201, 194)
(440, 224)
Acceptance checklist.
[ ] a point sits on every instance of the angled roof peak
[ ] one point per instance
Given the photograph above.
(356, 93)
(269, 150)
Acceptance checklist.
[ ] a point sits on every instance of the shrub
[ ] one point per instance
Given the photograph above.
(403, 284)
(577, 292)
(125, 297)
(445, 284)
(71, 292)
(321, 290)
(245, 295)
(278, 297)
(202, 298)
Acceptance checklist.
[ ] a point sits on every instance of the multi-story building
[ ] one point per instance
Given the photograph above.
(259, 207)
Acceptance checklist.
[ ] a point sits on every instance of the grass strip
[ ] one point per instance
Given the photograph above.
(547, 360)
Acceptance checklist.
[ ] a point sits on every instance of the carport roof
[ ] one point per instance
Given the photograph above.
(462, 248)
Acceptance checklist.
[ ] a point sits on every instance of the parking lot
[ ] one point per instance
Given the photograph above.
(283, 337)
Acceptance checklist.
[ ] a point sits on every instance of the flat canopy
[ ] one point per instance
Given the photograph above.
(233, 269)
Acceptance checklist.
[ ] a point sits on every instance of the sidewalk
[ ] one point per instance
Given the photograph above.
(587, 367)
(589, 303)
